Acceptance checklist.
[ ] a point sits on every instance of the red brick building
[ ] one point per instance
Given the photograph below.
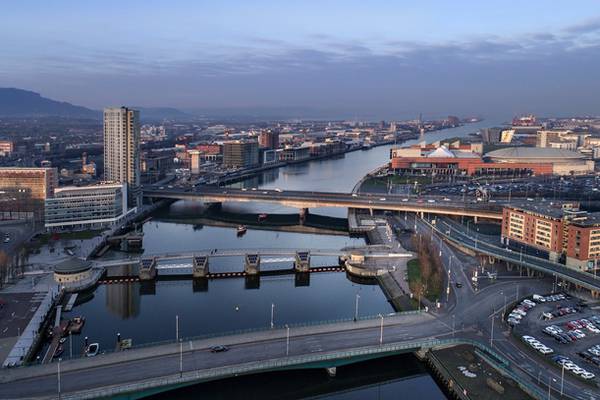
(458, 160)
(560, 229)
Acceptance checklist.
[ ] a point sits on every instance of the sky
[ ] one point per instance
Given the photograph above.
(388, 58)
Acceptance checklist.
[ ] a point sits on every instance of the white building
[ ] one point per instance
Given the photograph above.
(87, 207)
(122, 150)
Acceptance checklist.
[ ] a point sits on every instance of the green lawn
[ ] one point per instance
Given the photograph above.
(414, 272)
(45, 238)
(414, 279)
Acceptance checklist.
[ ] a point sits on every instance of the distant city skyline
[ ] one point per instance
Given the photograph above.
(375, 59)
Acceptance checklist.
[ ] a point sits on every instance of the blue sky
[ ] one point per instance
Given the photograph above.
(388, 58)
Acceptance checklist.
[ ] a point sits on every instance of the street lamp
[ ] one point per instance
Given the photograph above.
(562, 379)
(453, 321)
(58, 378)
(177, 328)
(356, 307)
(381, 330)
(272, 314)
(492, 332)
(180, 359)
(287, 340)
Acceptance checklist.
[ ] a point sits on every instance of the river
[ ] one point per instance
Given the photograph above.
(147, 313)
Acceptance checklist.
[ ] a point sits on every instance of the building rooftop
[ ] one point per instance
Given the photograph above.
(534, 153)
(558, 210)
(72, 265)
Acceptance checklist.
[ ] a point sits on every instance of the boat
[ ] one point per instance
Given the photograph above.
(241, 230)
(76, 324)
(92, 350)
(262, 217)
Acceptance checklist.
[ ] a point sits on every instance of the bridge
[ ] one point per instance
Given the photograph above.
(458, 234)
(305, 200)
(144, 371)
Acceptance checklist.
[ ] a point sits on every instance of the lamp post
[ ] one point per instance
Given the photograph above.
(381, 330)
(58, 378)
(492, 333)
(272, 314)
(562, 379)
(287, 340)
(453, 324)
(177, 328)
(180, 359)
(356, 307)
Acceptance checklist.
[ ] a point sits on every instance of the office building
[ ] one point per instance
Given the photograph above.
(86, 207)
(122, 150)
(563, 231)
(6, 147)
(24, 191)
(240, 154)
(268, 139)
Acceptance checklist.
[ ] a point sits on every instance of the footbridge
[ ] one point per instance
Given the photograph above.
(197, 263)
(305, 200)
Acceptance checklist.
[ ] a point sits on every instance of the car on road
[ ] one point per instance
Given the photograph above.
(458, 284)
(382, 199)
(219, 349)
(278, 190)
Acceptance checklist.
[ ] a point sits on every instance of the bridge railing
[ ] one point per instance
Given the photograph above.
(192, 377)
(262, 329)
(525, 260)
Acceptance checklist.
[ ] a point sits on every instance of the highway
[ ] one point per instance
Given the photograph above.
(306, 199)
(458, 233)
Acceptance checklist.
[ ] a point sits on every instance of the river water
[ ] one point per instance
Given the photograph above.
(147, 313)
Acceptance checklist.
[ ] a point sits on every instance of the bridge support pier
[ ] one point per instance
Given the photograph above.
(509, 267)
(147, 269)
(214, 205)
(303, 215)
(302, 261)
(200, 267)
(252, 264)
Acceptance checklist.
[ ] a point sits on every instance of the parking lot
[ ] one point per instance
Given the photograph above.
(561, 329)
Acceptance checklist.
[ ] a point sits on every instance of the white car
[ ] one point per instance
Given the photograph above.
(588, 375)
(354, 195)
(546, 350)
(527, 338)
(382, 199)
(278, 190)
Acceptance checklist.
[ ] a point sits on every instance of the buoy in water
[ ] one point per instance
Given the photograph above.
(237, 308)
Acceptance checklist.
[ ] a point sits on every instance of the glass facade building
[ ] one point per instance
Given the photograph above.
(24, 190)
(86, 207)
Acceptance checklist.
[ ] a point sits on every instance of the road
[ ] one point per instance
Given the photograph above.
(307, 199)
(459, 233)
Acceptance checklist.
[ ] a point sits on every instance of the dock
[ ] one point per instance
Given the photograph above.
(71, 302)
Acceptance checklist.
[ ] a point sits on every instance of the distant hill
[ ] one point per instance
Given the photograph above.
(24, 103)
(160, 113)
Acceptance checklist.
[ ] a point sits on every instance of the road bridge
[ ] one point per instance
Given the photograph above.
(457, 234)
(305, 200)
(141, 372)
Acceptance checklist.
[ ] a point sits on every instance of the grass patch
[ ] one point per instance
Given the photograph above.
(79, 235)
(413, 268)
